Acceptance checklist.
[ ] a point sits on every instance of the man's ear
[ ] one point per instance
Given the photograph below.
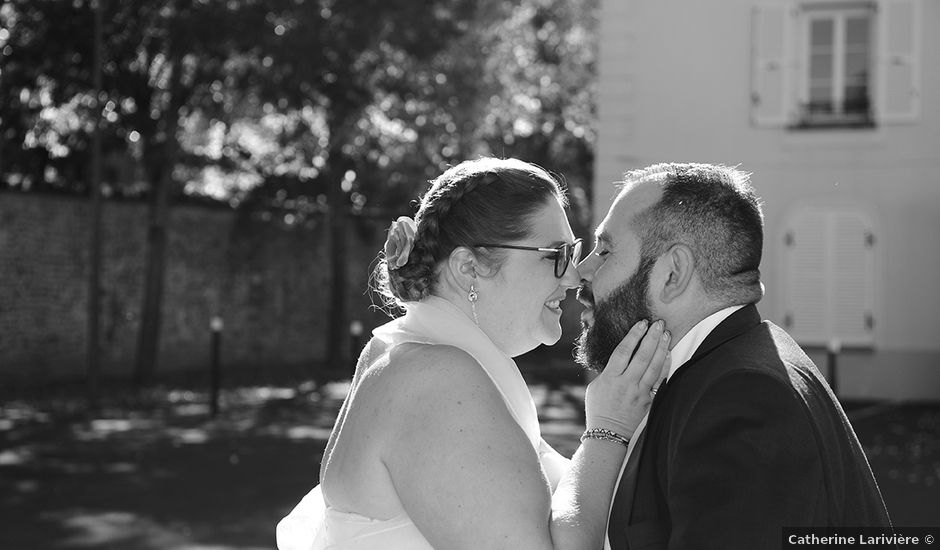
(678, 267)
(462, 267)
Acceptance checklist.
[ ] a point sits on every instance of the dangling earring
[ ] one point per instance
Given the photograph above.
(472, 297)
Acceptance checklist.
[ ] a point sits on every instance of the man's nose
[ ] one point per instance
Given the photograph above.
(587, 267)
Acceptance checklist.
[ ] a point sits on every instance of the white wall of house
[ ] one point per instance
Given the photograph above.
(860, 207)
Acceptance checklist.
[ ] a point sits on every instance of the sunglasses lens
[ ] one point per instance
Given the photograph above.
(566, 253)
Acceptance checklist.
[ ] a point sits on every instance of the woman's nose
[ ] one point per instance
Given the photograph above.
(572, 277)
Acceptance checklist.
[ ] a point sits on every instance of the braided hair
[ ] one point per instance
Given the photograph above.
(488, 200)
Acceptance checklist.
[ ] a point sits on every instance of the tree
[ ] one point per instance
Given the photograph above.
(319, 106)
(538, 91)
(219, 61)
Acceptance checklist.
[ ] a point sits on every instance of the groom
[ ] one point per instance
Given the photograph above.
(745, 437)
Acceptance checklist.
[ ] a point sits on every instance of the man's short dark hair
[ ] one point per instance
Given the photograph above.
(714, 211)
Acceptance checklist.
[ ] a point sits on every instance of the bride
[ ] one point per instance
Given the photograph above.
(437, 444)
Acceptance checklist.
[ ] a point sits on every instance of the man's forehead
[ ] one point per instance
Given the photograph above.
(634, 198)
(642, 193)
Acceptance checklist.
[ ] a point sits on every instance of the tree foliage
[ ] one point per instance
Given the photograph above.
(263, 90)
(271, 94)
(306, 106)
(540, 75)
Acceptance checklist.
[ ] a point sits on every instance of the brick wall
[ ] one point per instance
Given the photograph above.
(269, 281)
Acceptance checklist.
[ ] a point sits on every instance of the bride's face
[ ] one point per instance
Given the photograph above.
(520, 306)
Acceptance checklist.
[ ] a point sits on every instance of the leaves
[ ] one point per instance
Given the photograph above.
(284, 98)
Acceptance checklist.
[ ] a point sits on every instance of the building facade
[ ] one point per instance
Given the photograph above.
(834, 107)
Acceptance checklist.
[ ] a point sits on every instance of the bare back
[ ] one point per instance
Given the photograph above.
(426, 434)
(352, 475)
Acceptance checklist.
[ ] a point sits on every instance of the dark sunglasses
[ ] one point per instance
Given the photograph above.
(565, 254)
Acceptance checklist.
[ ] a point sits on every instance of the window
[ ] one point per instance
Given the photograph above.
(836, 87)
(837, 63)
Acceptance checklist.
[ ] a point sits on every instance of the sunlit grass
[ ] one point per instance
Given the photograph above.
(114, 529)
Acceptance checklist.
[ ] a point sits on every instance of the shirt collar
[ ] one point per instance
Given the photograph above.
(687, 345)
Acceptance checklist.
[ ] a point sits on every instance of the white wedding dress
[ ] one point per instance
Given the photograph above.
(312, 525)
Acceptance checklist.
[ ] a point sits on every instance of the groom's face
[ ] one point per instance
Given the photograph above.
(615, 287)
(613, 316)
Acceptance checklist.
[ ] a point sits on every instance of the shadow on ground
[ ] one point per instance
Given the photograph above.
(159, 473)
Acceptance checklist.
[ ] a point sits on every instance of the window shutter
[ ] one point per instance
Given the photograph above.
(899, 61)
(805, 264)
(852, 254)
(770, 38)
(829, 284)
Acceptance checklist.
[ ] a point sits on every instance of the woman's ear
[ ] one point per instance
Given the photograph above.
(462, 267)
(678, 268)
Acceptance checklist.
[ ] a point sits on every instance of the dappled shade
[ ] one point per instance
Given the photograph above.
(160, 472)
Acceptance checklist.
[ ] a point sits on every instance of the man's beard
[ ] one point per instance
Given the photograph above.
(613, 317)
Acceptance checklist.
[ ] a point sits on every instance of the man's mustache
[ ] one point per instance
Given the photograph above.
(585, 295)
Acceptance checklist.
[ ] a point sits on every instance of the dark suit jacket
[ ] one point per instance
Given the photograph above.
(744, 439)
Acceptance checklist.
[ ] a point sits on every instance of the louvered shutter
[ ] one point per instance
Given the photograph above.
(899, 61)
(805, 265)
(851, 255)
(829, 266)
(770, 39)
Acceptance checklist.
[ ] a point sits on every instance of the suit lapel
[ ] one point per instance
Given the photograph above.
(623, 498)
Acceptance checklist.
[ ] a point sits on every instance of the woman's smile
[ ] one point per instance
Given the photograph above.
(554, 305)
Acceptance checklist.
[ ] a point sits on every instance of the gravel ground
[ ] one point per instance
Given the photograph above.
(157, 472)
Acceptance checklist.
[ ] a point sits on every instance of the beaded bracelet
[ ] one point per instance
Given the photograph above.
(606, 435)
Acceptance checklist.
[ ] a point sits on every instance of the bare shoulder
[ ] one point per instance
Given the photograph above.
(433, 360)
(462, 467)
(417, 376)
(373, 349)
(371, 352)
(438, 398)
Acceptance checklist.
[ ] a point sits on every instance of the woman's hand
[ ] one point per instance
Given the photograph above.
(620, 395)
